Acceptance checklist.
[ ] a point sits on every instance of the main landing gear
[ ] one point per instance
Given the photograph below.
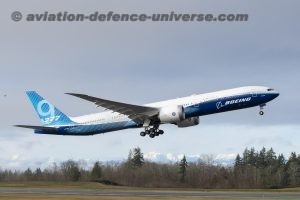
(152, 131)
(261, 107)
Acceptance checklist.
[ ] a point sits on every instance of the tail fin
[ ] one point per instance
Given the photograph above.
(48, 113)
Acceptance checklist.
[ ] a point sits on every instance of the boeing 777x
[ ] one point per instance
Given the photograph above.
(183, 112)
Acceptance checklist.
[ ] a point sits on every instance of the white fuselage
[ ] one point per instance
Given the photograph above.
(110, 117)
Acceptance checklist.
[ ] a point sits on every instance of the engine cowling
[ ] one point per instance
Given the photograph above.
(171, 114)
(192, 121)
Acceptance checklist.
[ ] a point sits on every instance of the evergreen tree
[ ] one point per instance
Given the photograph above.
(246, 156)
(261, 160)
(96, 171)
(137, 158)
(281, 160)
(28, 174)
(252, 157)
(182, 169)
(270, 157)
(293, 157)
(238, 161)
(38, 174)
(293, 169)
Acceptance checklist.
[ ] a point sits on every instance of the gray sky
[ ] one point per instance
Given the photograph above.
(146, 62)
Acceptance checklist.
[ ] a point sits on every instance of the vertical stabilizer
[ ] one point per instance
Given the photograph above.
(48, 113)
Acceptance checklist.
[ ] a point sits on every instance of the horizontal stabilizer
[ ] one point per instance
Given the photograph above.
(37, 127)
(41, 129)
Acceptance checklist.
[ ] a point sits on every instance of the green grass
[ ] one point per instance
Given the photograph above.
(75, 197)
(44, 184)
(94, 185)
(99, 186)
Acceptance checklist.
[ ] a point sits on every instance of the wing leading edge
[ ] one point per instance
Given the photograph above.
(138, 114)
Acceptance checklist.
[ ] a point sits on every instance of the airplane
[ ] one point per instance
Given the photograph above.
(183, 112)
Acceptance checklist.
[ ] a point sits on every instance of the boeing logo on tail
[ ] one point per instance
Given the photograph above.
(183, 112)
(47, 112)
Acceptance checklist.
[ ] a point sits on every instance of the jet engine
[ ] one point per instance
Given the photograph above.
(171, 114)
(192, 121)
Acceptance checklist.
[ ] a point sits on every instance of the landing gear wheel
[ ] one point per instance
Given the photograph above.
(152, 131)
(142, 134)
(261, 112)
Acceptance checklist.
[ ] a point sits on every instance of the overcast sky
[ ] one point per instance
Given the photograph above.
(146, 62)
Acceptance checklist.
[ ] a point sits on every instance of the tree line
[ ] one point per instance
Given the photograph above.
(251, 169)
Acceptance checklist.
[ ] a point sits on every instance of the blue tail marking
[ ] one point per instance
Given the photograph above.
(48, 113)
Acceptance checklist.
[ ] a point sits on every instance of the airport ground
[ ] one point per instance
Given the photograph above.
(91, 191)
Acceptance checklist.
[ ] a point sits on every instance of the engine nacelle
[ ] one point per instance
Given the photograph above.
(192, 121)
(171, 114)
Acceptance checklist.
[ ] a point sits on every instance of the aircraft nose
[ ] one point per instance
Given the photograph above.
(275, 94)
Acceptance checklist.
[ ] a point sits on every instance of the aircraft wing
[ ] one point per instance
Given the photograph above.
(135, 112)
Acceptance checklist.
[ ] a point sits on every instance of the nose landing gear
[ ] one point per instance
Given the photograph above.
(261, 107)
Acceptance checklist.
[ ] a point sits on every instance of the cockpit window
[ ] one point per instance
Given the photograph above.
(270, 89)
